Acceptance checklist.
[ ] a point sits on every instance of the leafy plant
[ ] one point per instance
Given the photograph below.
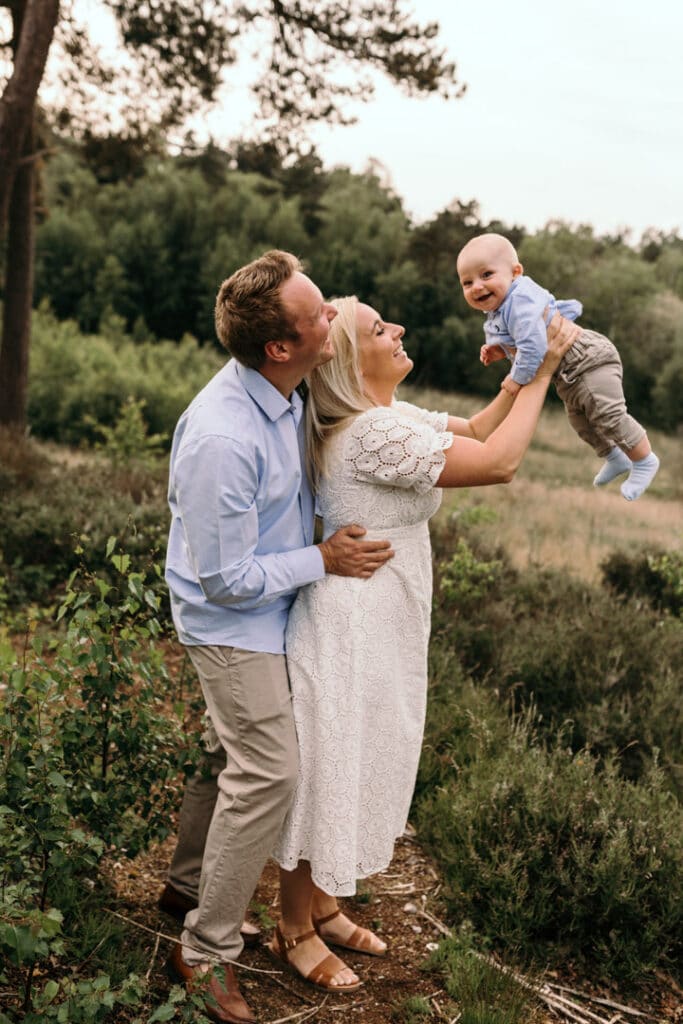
(90, 756)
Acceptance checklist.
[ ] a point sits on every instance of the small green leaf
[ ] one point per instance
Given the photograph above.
(121, 562)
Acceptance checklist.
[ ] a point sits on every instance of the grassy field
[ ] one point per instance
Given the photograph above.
(551, 514)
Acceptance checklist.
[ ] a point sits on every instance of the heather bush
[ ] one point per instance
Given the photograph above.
(655, 575)
(66, 515)
(606, 668)
(549, 853)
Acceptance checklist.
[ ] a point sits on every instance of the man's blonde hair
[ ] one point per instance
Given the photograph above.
(336, 390)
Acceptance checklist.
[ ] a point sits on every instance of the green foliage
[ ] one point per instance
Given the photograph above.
(69, 513)
(79, 381)
(610, 668)
(146, 255)
(484, 994)
(90, 754)
(555, 849)
(551, 855)
(84, 1000)
(128, 441)
(466, 579)
(657, 576)
(413, 1010)
(117, 737)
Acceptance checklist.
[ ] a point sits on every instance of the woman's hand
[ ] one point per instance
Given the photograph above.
(562, 334)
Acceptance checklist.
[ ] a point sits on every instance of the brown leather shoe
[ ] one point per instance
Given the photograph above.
(223, 1000)
(177, 905)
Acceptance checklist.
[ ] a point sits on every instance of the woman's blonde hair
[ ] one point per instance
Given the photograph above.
(335, 389)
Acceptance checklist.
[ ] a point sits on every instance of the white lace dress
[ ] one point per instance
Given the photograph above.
(357, 652)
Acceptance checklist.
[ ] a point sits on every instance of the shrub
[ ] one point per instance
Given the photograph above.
(608, 667)
(90, 755)
(655, 575)
(66, 512)
(552, 856)
(79, 381)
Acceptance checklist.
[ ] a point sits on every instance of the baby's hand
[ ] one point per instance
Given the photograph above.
(491, 354)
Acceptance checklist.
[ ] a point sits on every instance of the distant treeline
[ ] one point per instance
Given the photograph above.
(152, 244)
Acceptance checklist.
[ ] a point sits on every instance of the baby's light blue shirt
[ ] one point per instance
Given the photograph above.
(518, 325)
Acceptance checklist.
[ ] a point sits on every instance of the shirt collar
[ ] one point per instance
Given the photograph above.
(266, 396)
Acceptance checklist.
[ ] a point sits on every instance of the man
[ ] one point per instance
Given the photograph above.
(240, 546)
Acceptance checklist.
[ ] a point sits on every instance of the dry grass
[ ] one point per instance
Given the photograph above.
(551, 514)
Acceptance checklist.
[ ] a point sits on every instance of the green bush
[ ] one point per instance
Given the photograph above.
(90, 757)
(608, 667)
(65, 517)
(80, 381)
(655, 575)
(551, 855)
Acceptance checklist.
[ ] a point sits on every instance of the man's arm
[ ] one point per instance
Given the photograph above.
(215, 484)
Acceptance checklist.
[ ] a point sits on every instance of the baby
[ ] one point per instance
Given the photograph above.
(589, 377)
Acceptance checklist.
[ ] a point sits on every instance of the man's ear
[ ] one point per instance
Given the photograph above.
(277, 351)
(517, 270)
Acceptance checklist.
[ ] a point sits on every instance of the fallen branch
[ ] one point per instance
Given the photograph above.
(174, 939)
(301, 1015)
(153, 957)
(551, 995)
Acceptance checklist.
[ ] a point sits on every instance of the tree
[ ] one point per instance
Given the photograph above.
(181, 48)
(33, 25)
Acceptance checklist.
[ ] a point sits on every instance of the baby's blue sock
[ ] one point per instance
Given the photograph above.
(641, 476)
(615, 464)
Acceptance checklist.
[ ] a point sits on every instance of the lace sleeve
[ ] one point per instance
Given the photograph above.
(438, 420)
(387, 446)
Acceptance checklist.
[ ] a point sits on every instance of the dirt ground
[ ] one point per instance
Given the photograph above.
(391, 903)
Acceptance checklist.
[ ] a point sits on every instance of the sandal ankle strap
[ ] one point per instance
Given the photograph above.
(287, 942)
(317, 921)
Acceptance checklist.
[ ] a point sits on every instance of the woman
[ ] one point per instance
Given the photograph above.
(357, 648)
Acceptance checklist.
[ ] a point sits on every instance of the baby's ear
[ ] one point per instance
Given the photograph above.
(517, 270)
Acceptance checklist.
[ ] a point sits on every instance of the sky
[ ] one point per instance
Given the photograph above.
(573, 111)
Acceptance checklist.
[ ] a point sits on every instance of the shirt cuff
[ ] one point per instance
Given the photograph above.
(307, 565)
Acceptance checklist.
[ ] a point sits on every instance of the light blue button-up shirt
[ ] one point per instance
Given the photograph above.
(519, 327)
(240, 543)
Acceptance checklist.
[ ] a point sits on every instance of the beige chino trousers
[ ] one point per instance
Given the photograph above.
(249, 705)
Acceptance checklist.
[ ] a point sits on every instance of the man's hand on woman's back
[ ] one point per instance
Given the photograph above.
(344, 554)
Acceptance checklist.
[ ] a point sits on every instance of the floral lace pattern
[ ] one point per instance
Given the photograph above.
(357, 652)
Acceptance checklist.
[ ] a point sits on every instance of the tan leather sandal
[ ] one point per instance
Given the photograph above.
(322, 974)
(359, 941)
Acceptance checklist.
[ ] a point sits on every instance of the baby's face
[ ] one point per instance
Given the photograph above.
(485, 276)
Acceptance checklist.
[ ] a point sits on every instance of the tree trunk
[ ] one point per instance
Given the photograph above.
(34, 24)
(16, 316)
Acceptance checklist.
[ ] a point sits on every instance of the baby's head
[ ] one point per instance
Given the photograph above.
(487, 266)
